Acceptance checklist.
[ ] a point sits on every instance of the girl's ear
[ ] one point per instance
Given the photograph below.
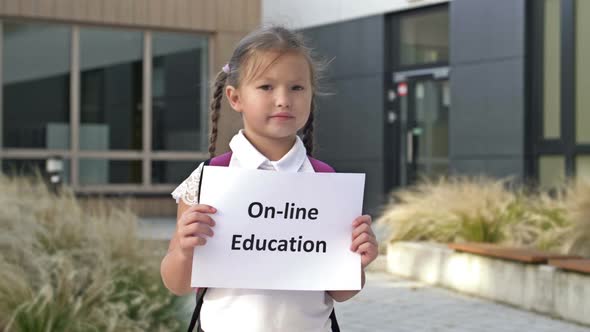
(233, 97)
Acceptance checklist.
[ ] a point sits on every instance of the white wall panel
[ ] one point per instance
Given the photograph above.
(308, 13)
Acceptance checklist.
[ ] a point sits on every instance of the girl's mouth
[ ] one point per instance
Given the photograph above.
(282, 116)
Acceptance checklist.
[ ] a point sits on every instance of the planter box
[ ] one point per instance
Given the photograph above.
(536, 287)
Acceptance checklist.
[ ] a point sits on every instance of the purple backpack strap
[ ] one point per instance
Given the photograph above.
(320, 166)
(221, 160)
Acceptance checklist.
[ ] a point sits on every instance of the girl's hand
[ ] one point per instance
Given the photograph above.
(364, 241)
(193, 228)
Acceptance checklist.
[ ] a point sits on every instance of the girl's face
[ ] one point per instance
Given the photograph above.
(276, 103)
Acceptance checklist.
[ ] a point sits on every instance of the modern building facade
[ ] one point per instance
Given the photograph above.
(471, 87)
(118, 89)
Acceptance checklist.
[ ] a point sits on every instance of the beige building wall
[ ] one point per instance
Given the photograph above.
(225, 21)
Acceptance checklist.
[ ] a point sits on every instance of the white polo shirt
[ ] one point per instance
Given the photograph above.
(257, 310)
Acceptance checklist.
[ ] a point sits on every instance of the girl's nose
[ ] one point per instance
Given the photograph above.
(283, 105)
(282, 99)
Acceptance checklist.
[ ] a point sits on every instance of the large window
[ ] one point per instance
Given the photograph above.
(126, 109)
(560, 79)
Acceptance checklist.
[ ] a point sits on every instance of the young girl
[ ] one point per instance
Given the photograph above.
(271, 80)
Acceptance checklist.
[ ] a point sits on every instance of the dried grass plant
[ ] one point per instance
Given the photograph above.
(576, 239)
(479, 209)
(65, 268)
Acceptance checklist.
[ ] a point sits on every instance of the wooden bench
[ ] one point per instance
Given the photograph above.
(575, 265)
(513, 254)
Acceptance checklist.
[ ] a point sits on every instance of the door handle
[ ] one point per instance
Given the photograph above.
(410, 146)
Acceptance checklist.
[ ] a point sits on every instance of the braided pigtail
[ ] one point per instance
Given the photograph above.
(215, 108)
(308, 131)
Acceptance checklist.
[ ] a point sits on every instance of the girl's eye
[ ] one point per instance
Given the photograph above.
(265, 87)
(298, 88)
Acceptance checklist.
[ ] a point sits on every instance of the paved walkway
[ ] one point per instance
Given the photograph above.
(392, 304)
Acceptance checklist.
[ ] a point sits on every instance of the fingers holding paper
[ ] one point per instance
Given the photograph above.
(364, 241)
(195, 226)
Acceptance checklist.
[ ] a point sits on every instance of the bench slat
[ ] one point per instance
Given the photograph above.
(514, 254)
(576, 265)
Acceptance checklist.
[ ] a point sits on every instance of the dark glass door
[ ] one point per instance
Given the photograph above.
(417, 126)
(425, 148)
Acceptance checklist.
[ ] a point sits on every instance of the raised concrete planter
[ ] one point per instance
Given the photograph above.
(378, 265)
(540, 288)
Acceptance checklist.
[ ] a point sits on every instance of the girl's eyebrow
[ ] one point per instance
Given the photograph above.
(265, 78)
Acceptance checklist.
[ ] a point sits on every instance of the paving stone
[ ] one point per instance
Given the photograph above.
(393, 304)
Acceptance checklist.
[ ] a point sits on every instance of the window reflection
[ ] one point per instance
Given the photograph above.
(583, 167)
(111, 77)
(165, 172)
(32, 168)
(424, 38)
(101, 171)
(551, 170)
(179, 82)
(36, 85)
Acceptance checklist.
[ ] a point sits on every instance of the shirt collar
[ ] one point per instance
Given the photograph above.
(251, 158)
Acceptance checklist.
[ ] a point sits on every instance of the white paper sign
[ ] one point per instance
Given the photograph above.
(277, 230)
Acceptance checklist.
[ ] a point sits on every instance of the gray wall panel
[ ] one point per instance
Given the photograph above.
(360, 48)
(487, 128)
(354, 48)
(487, 109)
(486, 29)
(349, 123)
(501, 168)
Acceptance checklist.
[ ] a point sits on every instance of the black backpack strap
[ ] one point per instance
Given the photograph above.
(335, 327)
(201, 180)
(195, 319)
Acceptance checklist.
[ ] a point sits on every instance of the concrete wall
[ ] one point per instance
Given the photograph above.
(539, 288)
(349, 132)
(487, 87)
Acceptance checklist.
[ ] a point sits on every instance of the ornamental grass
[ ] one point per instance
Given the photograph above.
(576, 238)
(483, 209)
(68, 268)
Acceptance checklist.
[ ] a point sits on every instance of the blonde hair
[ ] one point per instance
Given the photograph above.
(243, 66)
